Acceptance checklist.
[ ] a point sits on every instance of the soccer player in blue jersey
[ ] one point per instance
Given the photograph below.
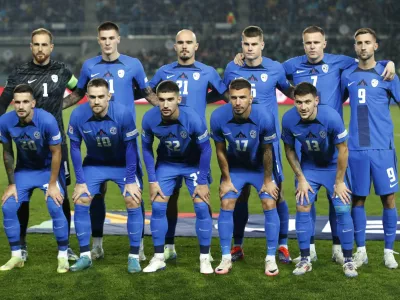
(194, 80)
(372, 154)
(184, 152)
(322, 135)
(265, 76)
(124, 74)
(250, 133)
(38, 141)
(109, 132)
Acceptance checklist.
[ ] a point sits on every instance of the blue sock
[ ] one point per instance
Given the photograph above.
(303, 232)
(225, 230)
(159, 225)
(11, 223)
(60, 224)
(83, 226)
(97, 215)
(389, 219)
(203, 226)
(345, 229)
(135, 228)
(360, 224)
(271, 225)
(283, 212)
(333, 223)
(313, 214)
(240, 218)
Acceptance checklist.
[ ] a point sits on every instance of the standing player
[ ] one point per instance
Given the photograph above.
(109, 133)
(184, 151)
(322, 135)
(250, 133)
(194, 80)
(48, 79)
(371, 142)
(38, 142)
(265, 76)
(124, 74)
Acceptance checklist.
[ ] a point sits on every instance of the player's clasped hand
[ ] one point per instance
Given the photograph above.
(203, 192)
(80, 188)
(11, 190)
(302, 191)
(341, 191)
(270, 188)
(155, 190)
(134, 190)
(389, 72)
(225, 187)
(239, 59)
(54, 192)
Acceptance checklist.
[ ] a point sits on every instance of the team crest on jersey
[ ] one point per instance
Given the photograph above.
(54, 77)
(113, 130)
(121, 73)
(196, 75)
(183, 134)
(322, 134)
(264, 77)
(70, 129)
(37, 135)
(253, 134)
(325, 68)
(374, 82)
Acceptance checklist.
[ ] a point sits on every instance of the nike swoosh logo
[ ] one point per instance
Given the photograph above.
(349, 84)
(134, 232)
(87, 131)
(297, 134)
(358, 230)
(169, 76)
(392, 185)
(58, 227)
(8, 227)
(347, 230)
(300, 71)
(30, 81)
(79, 234)
(227, 133)
(92, 75)
(271, 247)
(389, 234)
(203, 229)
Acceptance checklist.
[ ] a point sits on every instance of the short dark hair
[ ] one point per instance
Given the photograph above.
(97, 82)
(42, 31)
(23, 88)
(305, 88)
(253, 31)
(314, 29)
(167, 86)
(365, 31)
(108, 25)
(240, 83)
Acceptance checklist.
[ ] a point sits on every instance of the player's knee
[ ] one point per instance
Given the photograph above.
(303, 208)
(388, 201)
(228, 204)
(10, 208)
(159, 209)
(268, 204)
(131, 203)
(83, 201)
(342, 209)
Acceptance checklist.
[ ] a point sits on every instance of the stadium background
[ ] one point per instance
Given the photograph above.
(148, 29)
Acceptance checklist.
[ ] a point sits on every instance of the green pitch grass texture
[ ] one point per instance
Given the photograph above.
(108, 279)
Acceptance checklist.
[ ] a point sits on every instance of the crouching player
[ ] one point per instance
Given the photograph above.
(184, 152)
(109, 132)
(38, 141)
(250, 133)
(322, 135)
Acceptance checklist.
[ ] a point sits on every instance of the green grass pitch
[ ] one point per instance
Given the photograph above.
(108, 279)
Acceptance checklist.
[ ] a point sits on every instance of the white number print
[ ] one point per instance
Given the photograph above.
(46, 186)
(313, 146)
(28, 145)
(173, 145)
(241, 145)
(45, 93)
(111, 85)
(103, 141)
(194, 176)
(184, 84)
(361, 96)
(314, 80)
(391, 174)
(253, 90)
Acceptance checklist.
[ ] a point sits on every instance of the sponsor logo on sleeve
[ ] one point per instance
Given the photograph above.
(269, 138)
(204, 135)
(342, 135)
(70, 129)
(57, 137)
(133, 132)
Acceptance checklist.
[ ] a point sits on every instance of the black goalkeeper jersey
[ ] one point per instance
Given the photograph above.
(48, 82)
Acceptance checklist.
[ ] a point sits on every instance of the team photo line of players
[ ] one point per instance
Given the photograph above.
(313, 133)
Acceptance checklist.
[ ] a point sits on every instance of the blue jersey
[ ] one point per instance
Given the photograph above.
(264, 80)
(193, 81)
(123, 76)
(318, 138)
(324, 75)
(179, 139)
(371, 125)
(245, 137)
(33, 140)
(104, 138)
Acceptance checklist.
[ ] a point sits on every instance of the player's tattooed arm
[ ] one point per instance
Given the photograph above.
(222, 157)
(150, 96)
(340, 188)
(289, 92)
(73, 98)
(8, 158)
(269, 185)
